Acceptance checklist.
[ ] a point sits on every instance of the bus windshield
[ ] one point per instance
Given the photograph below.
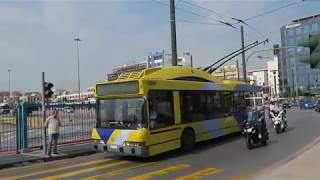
(122, 113)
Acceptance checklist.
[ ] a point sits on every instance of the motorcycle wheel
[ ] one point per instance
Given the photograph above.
(249, 143)
(278, 128)
(264, 142)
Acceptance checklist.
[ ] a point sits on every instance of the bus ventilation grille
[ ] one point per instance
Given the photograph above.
(131, 75)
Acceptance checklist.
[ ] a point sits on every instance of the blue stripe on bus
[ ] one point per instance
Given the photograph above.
(105, 134)
(211, 86)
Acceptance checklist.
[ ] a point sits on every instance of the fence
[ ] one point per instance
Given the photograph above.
(7, 131)
(26, 131)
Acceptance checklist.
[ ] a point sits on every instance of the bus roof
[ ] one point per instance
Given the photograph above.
(173, 73)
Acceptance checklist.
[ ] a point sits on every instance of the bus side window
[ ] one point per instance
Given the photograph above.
(160, 109)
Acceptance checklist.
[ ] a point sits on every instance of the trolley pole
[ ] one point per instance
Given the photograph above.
(44, 134)
(173, 34)
(243, 57)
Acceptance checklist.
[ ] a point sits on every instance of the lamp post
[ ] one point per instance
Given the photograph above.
(77, 41)
(9, 83)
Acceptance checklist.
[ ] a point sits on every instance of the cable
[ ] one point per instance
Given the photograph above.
(195, 14)
(196, 22)
(207, 9)
(270, 11)
(258, 32)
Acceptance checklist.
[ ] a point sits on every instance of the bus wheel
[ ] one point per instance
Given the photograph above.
(188, 140)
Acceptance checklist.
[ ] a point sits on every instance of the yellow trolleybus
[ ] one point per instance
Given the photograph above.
(161, 109)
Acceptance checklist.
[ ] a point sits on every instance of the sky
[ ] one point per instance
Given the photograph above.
(37, 36)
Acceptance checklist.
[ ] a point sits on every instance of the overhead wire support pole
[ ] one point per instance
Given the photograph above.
(173, 34)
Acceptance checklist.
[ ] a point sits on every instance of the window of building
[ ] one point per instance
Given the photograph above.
(160, 109)
(298, 30)
(290, 31)
(291, 41)
(314, 27)
(306, 28)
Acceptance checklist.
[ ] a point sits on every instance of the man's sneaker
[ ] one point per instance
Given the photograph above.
(55, 154)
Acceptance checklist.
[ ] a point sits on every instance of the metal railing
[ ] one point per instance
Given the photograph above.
(77, 122)
(7, 131)
(24, 129)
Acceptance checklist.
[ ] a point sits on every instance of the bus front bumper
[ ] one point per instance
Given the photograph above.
(123, 150)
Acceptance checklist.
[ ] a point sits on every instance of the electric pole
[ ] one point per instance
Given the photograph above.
(238, 72)
(243, 57)
(78, 63)
(173, 34)
(9, 71)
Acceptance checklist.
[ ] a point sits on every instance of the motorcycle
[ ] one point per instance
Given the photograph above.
(279, 120)
(255, 131)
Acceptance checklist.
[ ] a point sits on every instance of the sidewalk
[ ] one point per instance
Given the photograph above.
(304, 166)
(66, 151)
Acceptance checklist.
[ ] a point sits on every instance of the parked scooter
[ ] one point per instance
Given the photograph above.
(255, 129)
(279, 120)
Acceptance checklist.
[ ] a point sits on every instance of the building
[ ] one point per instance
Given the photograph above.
(74, 96)
(273, 77)
(160, 59)
(294, 75)
(227, 72)
(258, 77)
(31, 97)
(157, 59)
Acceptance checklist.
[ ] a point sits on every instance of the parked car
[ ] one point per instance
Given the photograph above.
(317, 107)
(307, 104)
(68, 109)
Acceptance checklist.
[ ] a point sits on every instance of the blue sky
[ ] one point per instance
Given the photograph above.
(37, 36)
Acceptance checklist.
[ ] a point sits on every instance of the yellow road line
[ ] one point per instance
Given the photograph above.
(86, 170)
(118, 172)
(199, 174)
(57, 169)
(160, 172)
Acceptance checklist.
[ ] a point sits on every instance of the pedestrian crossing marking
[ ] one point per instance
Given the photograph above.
(41, 164)
(86, 170)
(199, 174)
(118, 172)
(57, 169)
(160, 172)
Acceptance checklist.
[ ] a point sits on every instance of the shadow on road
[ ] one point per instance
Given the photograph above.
(201, 146)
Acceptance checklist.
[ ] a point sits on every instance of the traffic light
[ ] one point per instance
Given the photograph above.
(312, 42)
(48, 92)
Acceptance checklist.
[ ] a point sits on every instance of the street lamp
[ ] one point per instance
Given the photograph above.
(78, 40)
(9, 72)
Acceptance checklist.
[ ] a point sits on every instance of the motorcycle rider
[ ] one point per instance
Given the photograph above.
(257, 118)
(274, 107)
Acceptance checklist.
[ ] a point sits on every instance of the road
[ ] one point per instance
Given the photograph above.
(225, 158)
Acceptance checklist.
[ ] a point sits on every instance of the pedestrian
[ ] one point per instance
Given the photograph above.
(53, 124)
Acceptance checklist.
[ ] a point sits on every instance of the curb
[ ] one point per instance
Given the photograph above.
(35, 158)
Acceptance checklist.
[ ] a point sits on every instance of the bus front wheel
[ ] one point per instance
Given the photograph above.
(188, 140)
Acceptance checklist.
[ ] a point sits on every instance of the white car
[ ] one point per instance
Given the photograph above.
(68, 109)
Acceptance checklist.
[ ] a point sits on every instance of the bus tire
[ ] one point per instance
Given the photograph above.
(188, 140)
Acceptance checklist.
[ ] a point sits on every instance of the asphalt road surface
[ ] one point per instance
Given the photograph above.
(225, 158)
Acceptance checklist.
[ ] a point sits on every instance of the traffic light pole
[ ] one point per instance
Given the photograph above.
(44, 134)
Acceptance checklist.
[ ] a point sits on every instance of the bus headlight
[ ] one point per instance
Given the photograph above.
(134, 144)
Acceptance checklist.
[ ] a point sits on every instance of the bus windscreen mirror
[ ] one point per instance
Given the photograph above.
(117, 88)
